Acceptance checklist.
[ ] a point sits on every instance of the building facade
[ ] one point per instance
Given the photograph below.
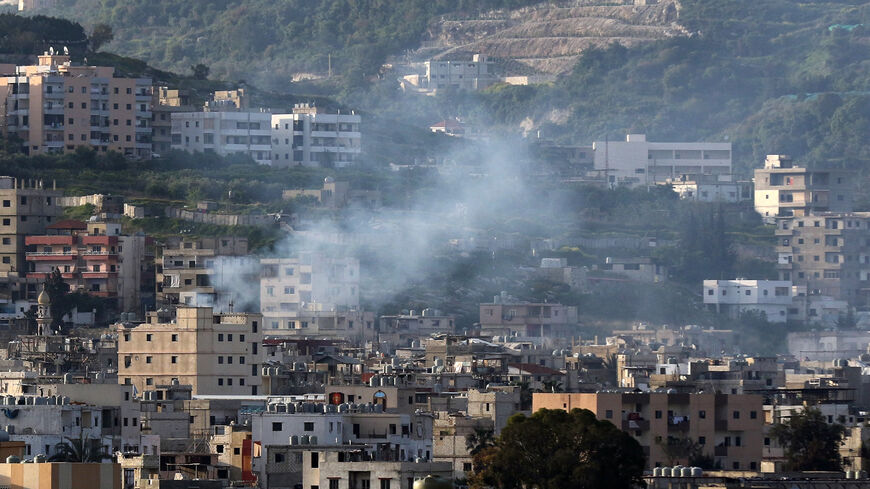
(783, 189)
(224, 133)
(727, 427)
(636, 161)
(474, 74)
(827, 253)
(55, 106)
(732, 297)
(216, 354)
(522, 320)
(313, 137)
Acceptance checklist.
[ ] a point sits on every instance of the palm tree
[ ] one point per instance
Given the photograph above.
(79, 449)
(481, 439)
(552, 386)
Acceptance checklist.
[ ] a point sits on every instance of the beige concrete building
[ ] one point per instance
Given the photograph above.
(526, 320)
(828, 253)
(26, 208)
(727, 427)
(60, 475)
(214, 353)
(55, 106)
(783, 189)
(186, 269)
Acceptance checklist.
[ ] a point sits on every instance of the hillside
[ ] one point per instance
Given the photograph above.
(549, 37)
(266, 42)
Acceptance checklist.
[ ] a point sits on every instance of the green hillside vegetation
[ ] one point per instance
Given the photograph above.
(266, 41)
(773, 77)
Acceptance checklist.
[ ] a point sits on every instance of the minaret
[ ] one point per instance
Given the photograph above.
(43, 314)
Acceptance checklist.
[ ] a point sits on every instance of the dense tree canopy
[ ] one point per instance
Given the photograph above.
(810, 442)
(554, 449)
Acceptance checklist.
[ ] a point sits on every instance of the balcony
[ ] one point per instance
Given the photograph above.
(51, 256)
(678, 426)
(100, 240)
(635, 425)
(99, 256)
(98, 274)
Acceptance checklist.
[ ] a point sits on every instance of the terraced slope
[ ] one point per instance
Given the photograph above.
(548, 38)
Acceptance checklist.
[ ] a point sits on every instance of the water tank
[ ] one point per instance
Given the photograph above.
(850, 474)
(374, 381)
(40, 459)
(10, 429)
(291, 408)
(666, 471)
(313, 439)
(697, 471)
(686, 472)
(12, 459)
(294, 440)
(305, 440)
(861, 474)
(657, 472)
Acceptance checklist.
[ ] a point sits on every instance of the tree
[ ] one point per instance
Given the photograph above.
(687, 452)
(481, 439)
(552, 386)
(810, 442)
(57, 291)
(555, 449)
(200, 71)
(79, 449)
(100, 36)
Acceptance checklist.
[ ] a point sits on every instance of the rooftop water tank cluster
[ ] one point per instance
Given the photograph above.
(33, 400)
(317, 408)
(856, 474)
(303, 440)
(678, 471)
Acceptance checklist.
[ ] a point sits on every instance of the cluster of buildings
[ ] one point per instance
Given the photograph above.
(57, 105)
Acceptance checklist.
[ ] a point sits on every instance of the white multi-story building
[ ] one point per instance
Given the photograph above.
(637, 161)
(290, 285)
(466, 74)
(224, 133)
(311, 137)
(732, 297)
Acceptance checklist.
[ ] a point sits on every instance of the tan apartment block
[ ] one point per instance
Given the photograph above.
(784, 189)
(55, 106)
(217, 354)
(728, 427)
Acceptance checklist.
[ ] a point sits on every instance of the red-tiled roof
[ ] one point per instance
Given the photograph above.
(447, 124)
(68, 224)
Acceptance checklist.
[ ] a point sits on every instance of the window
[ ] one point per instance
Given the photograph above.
(608, 414)
(220, 360)
(333, 483)
(279, 457)
(220, 381)
(315, 460)
(702, 414)
(175, 337)
(658, 414)
(736, 415)
(277, 426)
(241, 360)
(702, 440)
(308, 426)
(174, 359)
(753, 414)
(148, 359)
(229, 337)
(147, 337)
(220, 337)
(385, 483)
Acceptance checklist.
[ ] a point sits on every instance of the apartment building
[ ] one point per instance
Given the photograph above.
(216, 354)
(402, 329)
(26, 5)
(728, 427)
(527, 321)
(311, 136)
(474, 74)
(94, 258)
(165, 101)
(784, 189)
(828, 253)
(711, 188)
(310, 281)
(732, 297)
(224, 133)
(26, 208)
(186, 269)
(55, 106)
(636, 161)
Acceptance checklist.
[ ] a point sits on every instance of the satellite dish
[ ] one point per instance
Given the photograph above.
(51, 50)
(66, 51)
